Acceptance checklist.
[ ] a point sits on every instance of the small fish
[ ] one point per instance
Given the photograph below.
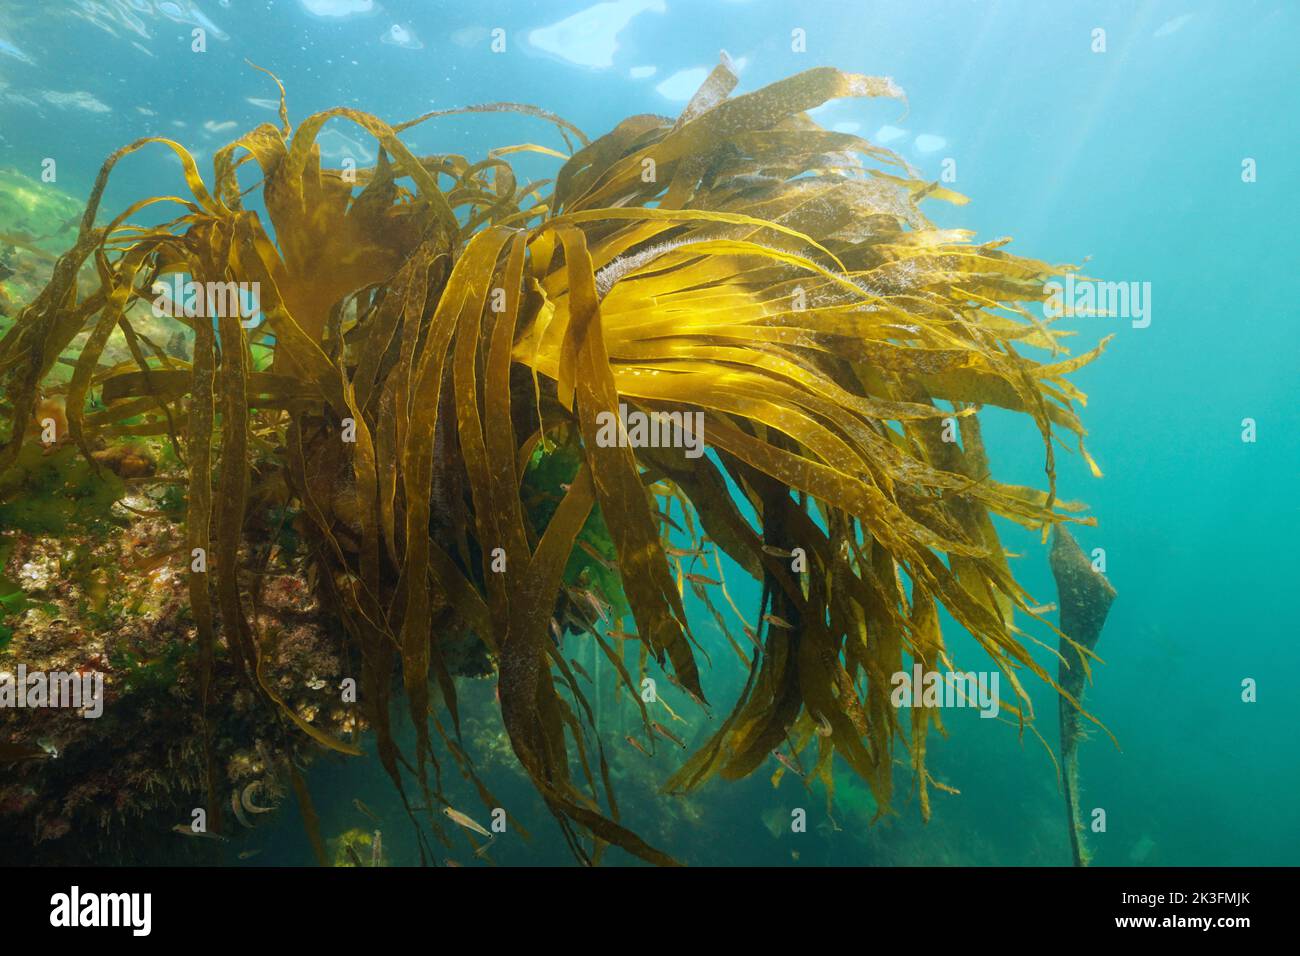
(620, 635)
(595, 603)
(482, 851)
(603, 561)
(248, 854)
(184, 829)
(556, 632)
(453, 863)
(638, 745)
(786, 762)
(377, 849)
(246, 798)
(239, 810)
(778, 622)
(672, 679)
(667, 519)
(1042, 609)
(356, 802)
(467, 822)
(673, 552)
(701, 579)
(667, 734)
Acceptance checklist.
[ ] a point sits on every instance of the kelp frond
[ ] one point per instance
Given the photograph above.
(740, 262)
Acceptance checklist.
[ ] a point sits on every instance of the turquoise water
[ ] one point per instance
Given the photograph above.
(1129, 158)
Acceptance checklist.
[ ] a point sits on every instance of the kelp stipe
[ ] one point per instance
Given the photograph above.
(430, 345)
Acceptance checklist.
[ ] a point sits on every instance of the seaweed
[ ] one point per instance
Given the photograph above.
(431, 325)
(14, 601)
(51, 493)
(1085, 598)
(150, 675)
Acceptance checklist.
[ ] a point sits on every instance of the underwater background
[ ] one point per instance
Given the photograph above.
(1130, 159)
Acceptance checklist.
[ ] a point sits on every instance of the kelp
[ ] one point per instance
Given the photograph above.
(1085, 598)
(434, 326)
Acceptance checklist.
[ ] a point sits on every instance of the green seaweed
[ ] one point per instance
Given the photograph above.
(51, 492)
(14, 599)
(133, 673)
